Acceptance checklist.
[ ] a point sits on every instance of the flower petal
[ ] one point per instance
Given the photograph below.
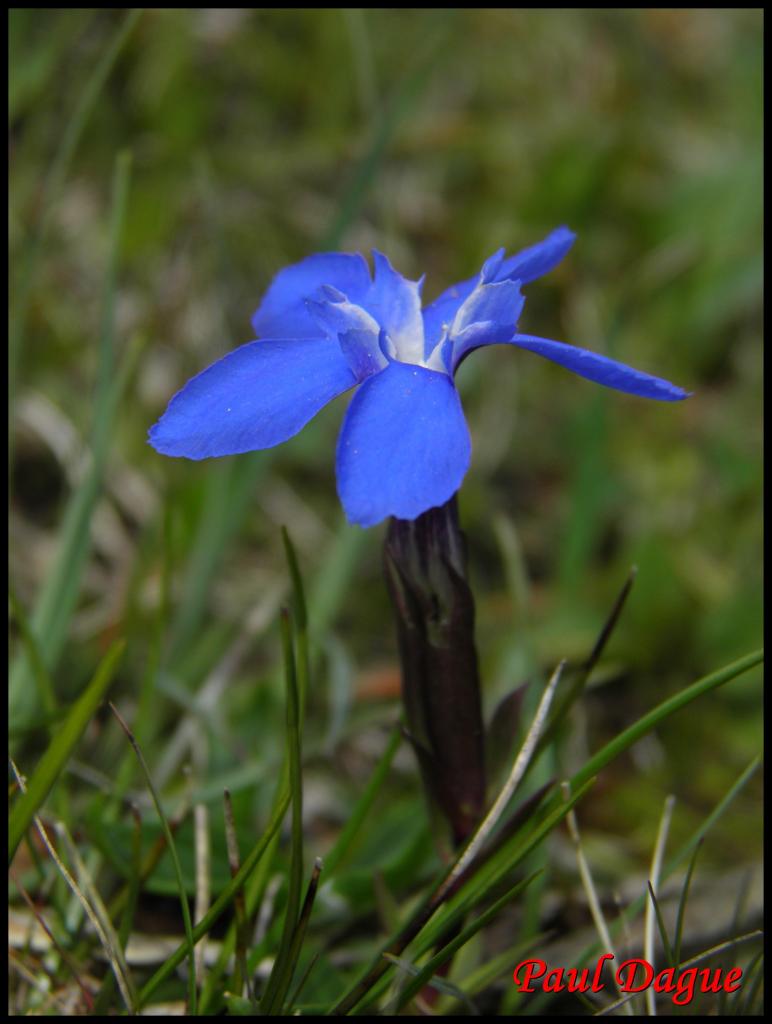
(255, 397)
(439, 315)
(539, 259)
(602, 370)
(363, 352)
(395, 303)
(354, 328)
(404, 446)
(488, 317)
(283, 312)
(525, 266)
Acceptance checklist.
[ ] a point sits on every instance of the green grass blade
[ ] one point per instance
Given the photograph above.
(661, 926)
(655, 872)
(675, 861)
(707, 954)
(404, 99)
(56, 602)
(426, 927)
(146, 722)
(574, 691)
(734, 928)
(223, 901)
(363, 806)
(440, 985)
(662, 711)
(445, 954)
(73, 130)
(512, 854)
(331, 586)
(32, 69)
(102, 1002)
(679, 925)
(228, 498)
(640, 728)
(281, 975)
(298, 591)
(301, 622)
(300, 931)
(745, 997)
(106, 363)
(60, 748)
(211, 995)
(40, 674)
(240, 976)
(499, 965)
(175, 861)
(93, 910)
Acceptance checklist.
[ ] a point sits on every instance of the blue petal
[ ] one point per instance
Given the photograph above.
(538, 259)
(355, 330)
(525, 266)
(255, 397)
(491, 267)
(283, 312)
(488, 317)
(601, 369)
(395, 303)
(404, 447)
(363, 352)
(441, 312)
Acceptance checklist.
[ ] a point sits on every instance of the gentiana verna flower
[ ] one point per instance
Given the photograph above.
(326, 326)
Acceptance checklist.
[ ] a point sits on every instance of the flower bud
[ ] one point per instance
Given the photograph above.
(425, 561)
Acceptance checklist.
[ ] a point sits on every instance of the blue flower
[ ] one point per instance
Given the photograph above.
(327, 326)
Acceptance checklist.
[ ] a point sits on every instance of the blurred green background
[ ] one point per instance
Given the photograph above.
(256, 138)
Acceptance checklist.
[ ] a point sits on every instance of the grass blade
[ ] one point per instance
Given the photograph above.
(223, 901)
(593, 902)
(111, 947)
(71, 136)
(88, 896)
(652, 907)
(127, 920)
(754, 978)
(576, 688)
(505, 860)
(385, 126)
(438, 984)
(241, 976)
(300, 931)
(175, 860)
(60, 748)
(331, 585)
(281, 975)
(522, 761)
(711, 819)
(427, 927)
(679, 926)
(467, 858)
(536, 1006)
(301, 621)
(661, 927)
(228, 498)
(662, 711)
(445, 954)
(363, 806)
(56, 601)
(40, 674)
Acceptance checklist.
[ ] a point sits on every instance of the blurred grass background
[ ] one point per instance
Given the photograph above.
(256, 138)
